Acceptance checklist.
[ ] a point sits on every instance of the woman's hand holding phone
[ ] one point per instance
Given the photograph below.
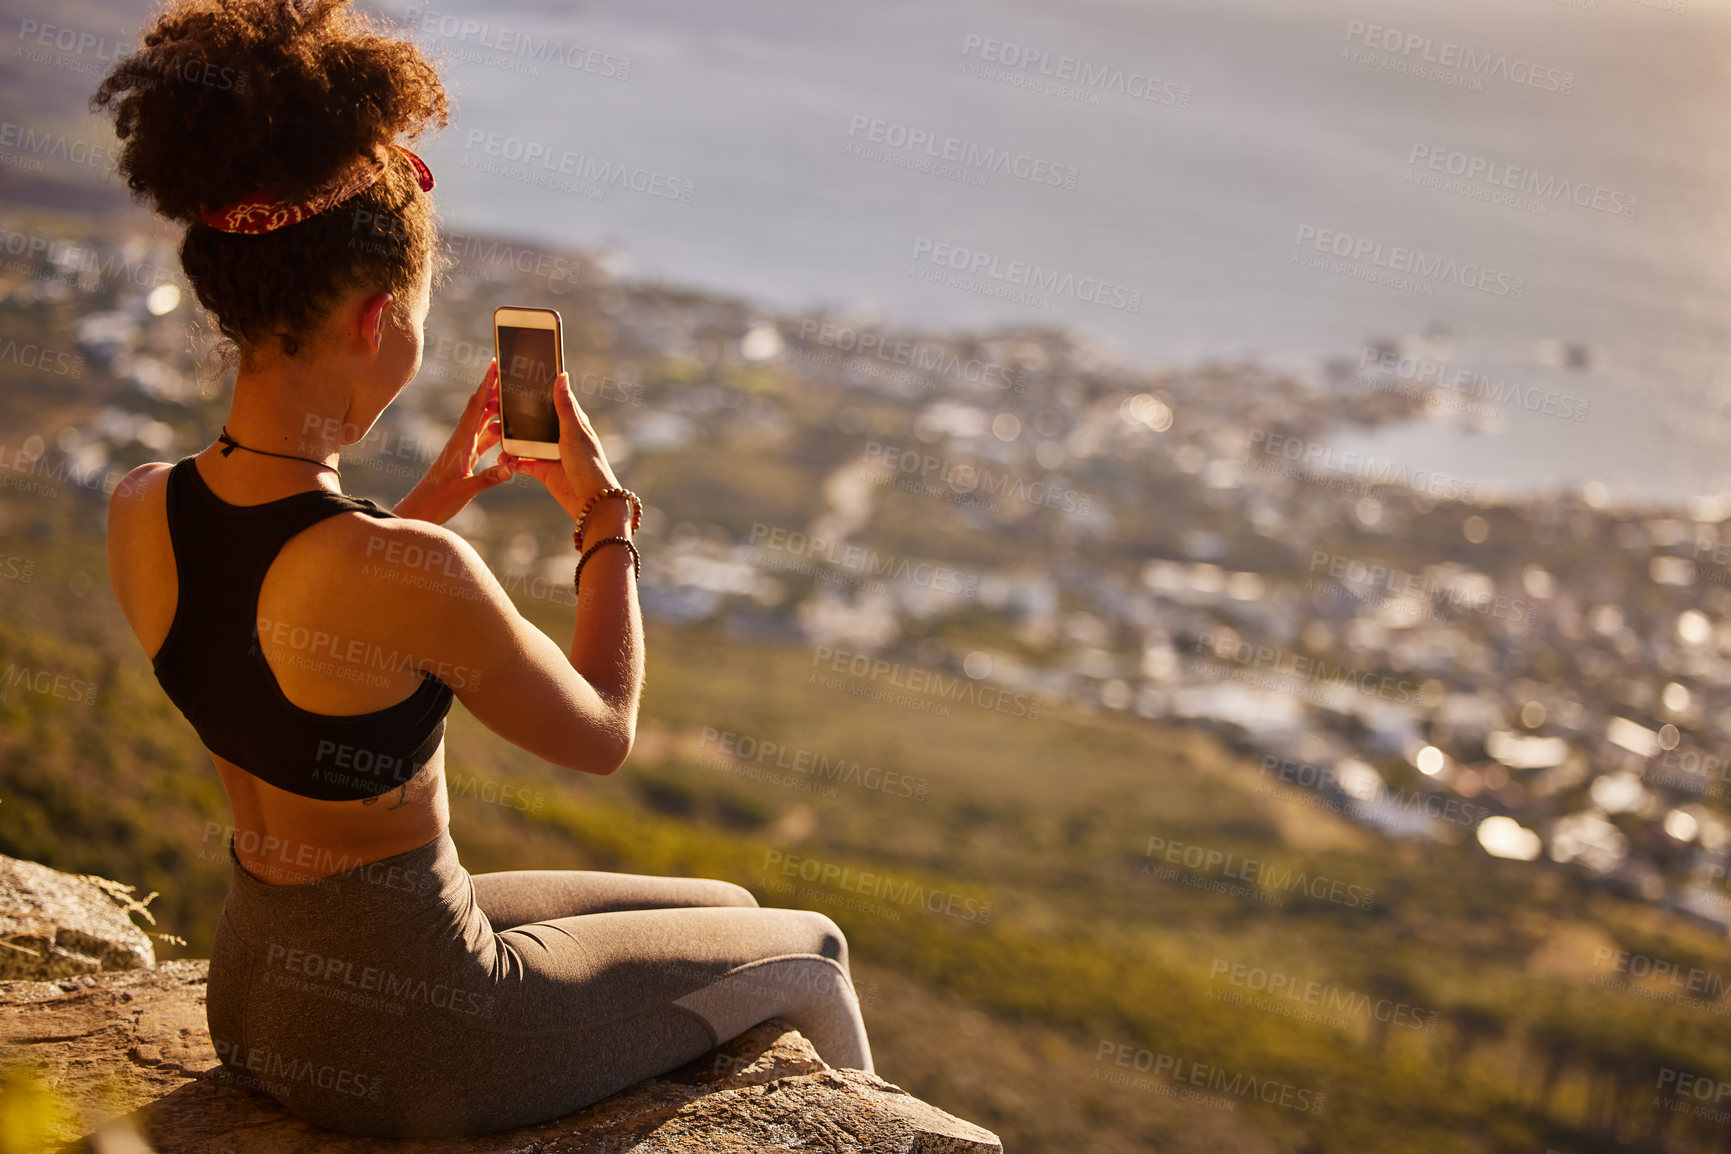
(450, 482)
(582, 469)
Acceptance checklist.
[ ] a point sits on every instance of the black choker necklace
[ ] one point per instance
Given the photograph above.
(234, 444)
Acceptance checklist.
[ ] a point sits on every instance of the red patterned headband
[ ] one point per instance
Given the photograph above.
(265, 213)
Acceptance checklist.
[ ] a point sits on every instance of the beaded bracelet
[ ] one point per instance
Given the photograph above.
(636, 557)
(583, 514)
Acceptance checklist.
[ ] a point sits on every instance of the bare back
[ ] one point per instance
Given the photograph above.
(310, 589)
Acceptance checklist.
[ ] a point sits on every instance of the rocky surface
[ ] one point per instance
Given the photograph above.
(54, 925)
(130, 1050)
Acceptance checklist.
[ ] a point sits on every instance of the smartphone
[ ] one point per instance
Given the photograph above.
(530, 346)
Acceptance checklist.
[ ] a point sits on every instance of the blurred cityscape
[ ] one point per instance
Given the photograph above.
(1004, 519)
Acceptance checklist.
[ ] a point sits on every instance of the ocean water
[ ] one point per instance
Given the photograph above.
(1271, 118)
(770, 142)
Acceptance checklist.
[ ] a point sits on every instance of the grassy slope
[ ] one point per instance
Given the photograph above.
(1047, 819)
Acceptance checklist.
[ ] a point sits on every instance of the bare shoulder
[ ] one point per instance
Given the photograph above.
(414, 554)
(420, 587)
(140, 558)
(143, 489)
(420, 576)
(431, 591)
(137, 516)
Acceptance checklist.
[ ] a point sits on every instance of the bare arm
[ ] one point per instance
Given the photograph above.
(575, 709)
(579, 710)
(607, 636)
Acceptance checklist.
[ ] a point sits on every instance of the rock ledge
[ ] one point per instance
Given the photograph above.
(55, 924)
(130, 1048)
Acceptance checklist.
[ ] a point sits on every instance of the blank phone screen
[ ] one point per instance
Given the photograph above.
(528, 368)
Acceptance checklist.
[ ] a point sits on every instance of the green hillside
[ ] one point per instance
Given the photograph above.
(1050, 947)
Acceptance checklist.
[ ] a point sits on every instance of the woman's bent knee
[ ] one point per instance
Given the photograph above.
(728, 894)
(827, 938)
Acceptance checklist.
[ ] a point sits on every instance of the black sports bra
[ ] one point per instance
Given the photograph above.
(212, 667)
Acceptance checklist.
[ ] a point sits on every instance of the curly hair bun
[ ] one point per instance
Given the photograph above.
(228, 98)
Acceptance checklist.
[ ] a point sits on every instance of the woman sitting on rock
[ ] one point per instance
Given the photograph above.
(359, 972)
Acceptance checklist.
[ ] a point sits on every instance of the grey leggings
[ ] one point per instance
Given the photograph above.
(409, 998)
